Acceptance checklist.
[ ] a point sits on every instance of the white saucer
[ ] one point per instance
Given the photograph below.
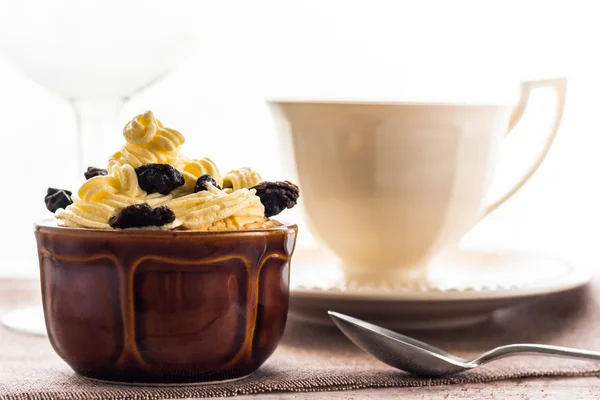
(28, 320)
(467, 287)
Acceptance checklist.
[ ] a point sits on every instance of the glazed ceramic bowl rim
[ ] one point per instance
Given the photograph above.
(51, 225)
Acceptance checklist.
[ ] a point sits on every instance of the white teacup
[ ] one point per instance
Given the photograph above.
(388, 186)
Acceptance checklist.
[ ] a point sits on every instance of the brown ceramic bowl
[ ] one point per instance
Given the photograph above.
(164, 307)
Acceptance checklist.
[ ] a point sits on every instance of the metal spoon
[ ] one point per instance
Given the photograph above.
(421, 359)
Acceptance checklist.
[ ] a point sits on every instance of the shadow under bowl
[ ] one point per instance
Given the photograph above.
(148, 306)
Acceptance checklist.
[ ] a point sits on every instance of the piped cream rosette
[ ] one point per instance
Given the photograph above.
(214, 209)
(101, 197)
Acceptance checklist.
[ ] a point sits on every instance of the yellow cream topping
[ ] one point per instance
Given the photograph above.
(193, 169)
(199, 210)
(149, 141)
(241, 178)
(101, 197)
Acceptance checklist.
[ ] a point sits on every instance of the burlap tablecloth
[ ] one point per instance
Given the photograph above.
(312, 359)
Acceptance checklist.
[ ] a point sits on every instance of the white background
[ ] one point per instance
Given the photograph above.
(249, 50)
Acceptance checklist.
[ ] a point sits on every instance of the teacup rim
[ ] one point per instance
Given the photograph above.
(49, 224)
(386, 102)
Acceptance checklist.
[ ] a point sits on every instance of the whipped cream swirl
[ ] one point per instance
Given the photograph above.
(101, 197)
(148, 141)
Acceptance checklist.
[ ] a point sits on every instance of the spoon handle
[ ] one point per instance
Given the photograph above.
(539, 349)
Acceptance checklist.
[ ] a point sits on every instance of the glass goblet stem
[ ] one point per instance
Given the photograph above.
(96, 121)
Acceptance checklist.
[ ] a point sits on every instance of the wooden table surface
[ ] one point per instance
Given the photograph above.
(19, 293)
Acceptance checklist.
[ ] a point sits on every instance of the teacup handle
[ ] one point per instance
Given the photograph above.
(560, 86)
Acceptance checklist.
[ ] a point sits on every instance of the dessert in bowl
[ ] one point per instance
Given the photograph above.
(162, 270)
